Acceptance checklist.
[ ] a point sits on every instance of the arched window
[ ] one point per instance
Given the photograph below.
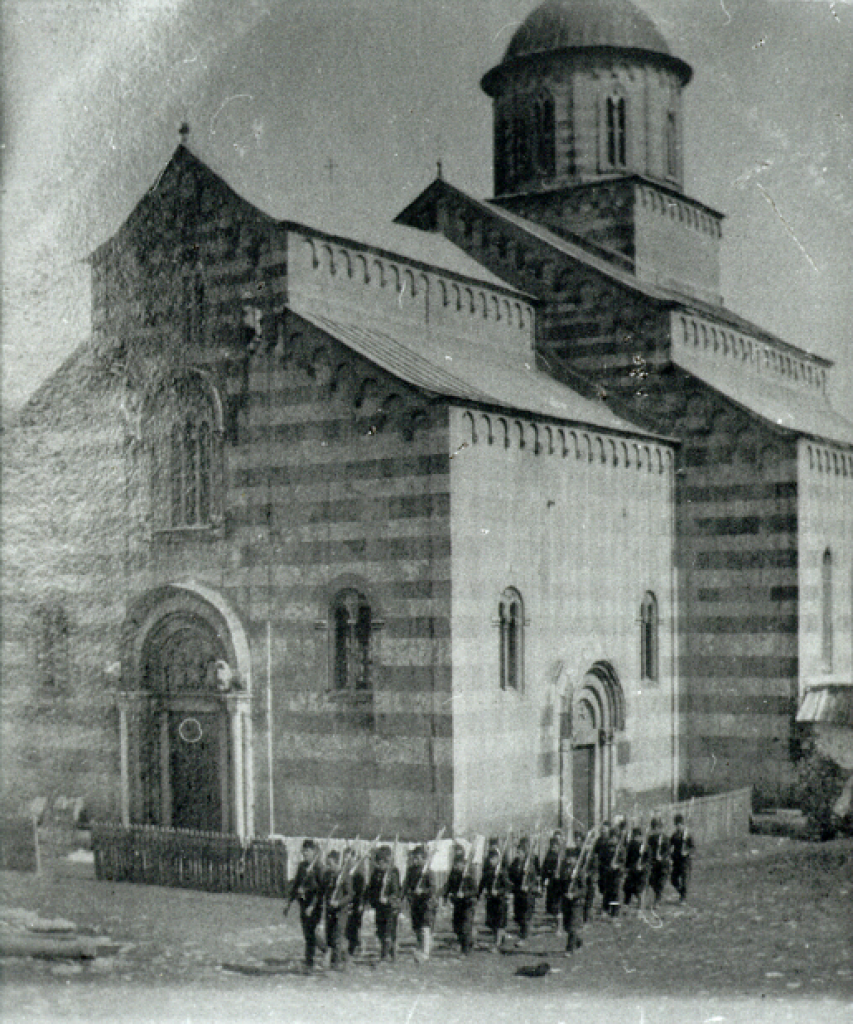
(521, 142)
(826, 611)
(544, 133)
(186, 454)
(503, 151)
(352, 631)
(193, 306)
(671, 146)
(616, 128)
(511, 622)
(51, 646)
(649, 638)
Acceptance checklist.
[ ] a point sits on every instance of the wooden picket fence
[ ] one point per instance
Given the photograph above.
(189, 859)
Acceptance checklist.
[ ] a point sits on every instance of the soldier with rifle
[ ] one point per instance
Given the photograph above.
(524, 876)
(657, 858)
(358, 883)
(418, 889)
(337, 888)
(551, 865)
(383, 894)
(571, 880)
(307, 889)
(681, 853)
(461, 891)
(494, 884)
(615, 868)
(635, 870)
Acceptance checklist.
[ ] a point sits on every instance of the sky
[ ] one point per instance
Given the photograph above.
(338, 110)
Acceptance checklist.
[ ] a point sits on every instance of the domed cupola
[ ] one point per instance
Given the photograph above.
(587, 89)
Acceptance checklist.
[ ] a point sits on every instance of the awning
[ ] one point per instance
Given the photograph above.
(828, 704)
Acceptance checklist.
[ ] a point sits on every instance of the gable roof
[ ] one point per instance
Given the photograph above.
(611, 264)
(470, 372)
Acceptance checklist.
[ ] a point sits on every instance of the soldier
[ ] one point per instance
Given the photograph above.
(307, 889)
(419, 891)
(383, 894)
(494, 884)
(524, 877)
(571, 885)
(656, 855)
(550, 880)
(635, 869)
(590, 875)
(338, 896)
(614, 868)
(461, 890)
(681, 853)
(358, 885)
(600, 857)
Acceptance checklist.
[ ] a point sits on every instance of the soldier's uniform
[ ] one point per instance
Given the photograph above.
(461, 891)
(635, 869)
(383, 894)
(338, 898)
(418, 889)
(657, 859)
(494, 884)
(352, 930)
(680, 853)
(549, 880)
(572, 886)
(524, 878)
(307, 890)
(614, 870)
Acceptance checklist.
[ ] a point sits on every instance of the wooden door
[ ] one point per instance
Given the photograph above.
(583, 787)
(195, 770)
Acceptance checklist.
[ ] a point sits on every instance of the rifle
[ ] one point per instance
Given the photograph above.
(428, 862)
(343, 874)
(500, 866)
(383, 889)
(614, 863)
(525, 874)
(583, 858)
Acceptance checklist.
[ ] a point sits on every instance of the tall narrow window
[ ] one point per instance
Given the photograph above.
(616, 116)
(51, 646)
(352, 628)
(511, 622)
(649, 639)
(522, 149)
(826, 610)
(671, 146)
(545, 133)
(185, 457)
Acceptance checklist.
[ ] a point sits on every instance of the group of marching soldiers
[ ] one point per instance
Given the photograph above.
(619, 862)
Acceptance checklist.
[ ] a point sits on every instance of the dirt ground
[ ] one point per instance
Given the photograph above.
(766, 934)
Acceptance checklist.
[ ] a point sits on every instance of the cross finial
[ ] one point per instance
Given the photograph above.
(184, 132)
(439, 172)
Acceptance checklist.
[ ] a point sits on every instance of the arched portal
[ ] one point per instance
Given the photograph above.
(590, 716)
(185, 727)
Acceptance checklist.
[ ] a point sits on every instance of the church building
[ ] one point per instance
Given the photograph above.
(495, 518)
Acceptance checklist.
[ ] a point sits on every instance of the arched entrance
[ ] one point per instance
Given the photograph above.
(591, 714)
(184, 722)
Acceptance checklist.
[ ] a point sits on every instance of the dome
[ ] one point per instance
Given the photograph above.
(559, 25)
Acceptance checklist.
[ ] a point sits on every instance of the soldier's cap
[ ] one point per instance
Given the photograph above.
(494, 841)
(679, 819)
(418, 851)
(494, 853)
(334, 855)
(308, 844)
(383, 853)
(459, 853)
(636, 831)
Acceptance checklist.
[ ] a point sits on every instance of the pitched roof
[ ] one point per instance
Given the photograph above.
(468, 371)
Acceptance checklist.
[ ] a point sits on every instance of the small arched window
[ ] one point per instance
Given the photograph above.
(521, 142)
(649, 638)
(352, 633)
(511, 622)
(616, 128)
(826, 611)
(544, 133)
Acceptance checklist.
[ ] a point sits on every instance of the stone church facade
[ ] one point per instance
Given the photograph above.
(500, 519)
(590, 216)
